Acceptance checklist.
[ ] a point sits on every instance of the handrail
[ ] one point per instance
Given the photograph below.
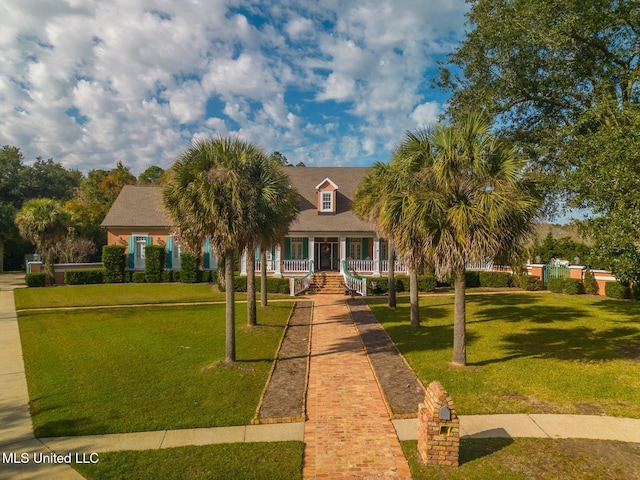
(354, 284)
(298, 285)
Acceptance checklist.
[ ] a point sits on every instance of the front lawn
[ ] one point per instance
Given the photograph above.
(117, 294)
(139, 369)
(273, 460)
(527, 353)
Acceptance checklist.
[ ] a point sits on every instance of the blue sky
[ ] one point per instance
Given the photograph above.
(328, 82)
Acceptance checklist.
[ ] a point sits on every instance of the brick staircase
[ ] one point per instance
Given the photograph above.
(326, 283)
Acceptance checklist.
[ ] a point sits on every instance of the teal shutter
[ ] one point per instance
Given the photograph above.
(365, 248)
(207, 253)
(169, 252)
(305, 248)
(257, 254)
(132, 247)
(287, 248)
(149, 241)
(348, 252)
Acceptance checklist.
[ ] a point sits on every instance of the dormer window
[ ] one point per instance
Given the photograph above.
(327, 196)
(327, 202)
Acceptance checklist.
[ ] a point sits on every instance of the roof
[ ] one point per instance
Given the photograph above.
(141, 205)
(138, 206)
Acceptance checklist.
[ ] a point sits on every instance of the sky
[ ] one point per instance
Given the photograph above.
(325, 82)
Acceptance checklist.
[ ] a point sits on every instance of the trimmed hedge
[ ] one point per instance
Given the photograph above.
(426, 283)
(154, 263)
(573, 286)
(555, 285)
(35, 279)
(495, 279)
(471, 279)
(590, 284)
(530, 282)
(138, 277)
(83, 277)
(189, 267)
(616, 290)
(274, 285)
(113, 263)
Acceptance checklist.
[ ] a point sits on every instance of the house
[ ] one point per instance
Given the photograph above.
(326, 235)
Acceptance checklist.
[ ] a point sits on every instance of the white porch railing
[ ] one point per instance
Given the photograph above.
(400, 266)
(354, 284)
(271, 266)
(297, 266)
(299, 285)
(360, 265)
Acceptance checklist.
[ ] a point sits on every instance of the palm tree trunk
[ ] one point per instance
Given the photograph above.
(391, 275)
(1, 253)
(459, 319)
(251, 286)
(230, 318)
(413, 298)
(263, 277)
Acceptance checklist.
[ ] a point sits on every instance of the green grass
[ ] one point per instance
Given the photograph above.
(117, 294)
(273, 460)
(526, 458)
(132, 369)
(527, 353)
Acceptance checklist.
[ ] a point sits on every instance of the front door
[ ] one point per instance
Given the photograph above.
(328, 255)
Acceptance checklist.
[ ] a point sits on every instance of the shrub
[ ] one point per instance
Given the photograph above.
(166, 276)
(530, 282)
(35, 279)
(154, 262)
(635, 291)
(555, 285)
(126, 277)
(590, 284)
(175, 275)
(495, 279)
(616, 290)
(83, 277)
(113, 263)
(472, 279)
(189, 267)
(573, 286)
(426, 283)
(138, 277)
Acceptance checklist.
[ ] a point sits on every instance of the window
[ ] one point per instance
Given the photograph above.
(139, 243)
(355, 249)
(296, 249)
(175, 255)
(384, 250)
(327, 202)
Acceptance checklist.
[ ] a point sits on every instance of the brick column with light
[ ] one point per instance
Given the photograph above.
(438, 428)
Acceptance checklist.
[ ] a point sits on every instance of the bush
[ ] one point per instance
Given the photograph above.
(573, 286)
(126, 277)
(426, 283)
(83, 277)
(471, 279)
(495, 279)
(616, 290)
(166, 276)
(530, 282)
(35, 279)
(154, 262)
(138, 277)
(175, 275)
(555, 285)
(189, 268)
(113, 263)
(590, 284)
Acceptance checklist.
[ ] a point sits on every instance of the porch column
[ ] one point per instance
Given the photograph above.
(277, 262)
(243, 263)
(312, 252)
(376, 256)
(343, 251)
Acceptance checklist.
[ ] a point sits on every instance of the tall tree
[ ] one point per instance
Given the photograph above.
(11, 171)
(48, 179)
(43, 222)
(473, 203)
(7, 228)
(208, 193)
(563, 78)
(151, 176)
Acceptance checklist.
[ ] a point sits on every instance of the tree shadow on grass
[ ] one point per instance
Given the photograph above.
(516, 308)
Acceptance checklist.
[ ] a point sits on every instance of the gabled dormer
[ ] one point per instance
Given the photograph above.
(327, 196)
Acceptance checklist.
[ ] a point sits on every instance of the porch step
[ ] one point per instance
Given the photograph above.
(326, 283)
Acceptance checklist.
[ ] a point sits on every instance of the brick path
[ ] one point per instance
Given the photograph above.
(348, 433)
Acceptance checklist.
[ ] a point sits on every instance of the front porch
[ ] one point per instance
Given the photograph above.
(363, 256)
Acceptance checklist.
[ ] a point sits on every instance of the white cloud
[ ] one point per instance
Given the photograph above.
(426, 114)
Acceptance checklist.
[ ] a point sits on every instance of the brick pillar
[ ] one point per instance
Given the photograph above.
(438, 428)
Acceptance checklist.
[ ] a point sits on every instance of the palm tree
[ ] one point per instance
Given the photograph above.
(43, 222)
(209, 193)
(474, 203)
(275, 206)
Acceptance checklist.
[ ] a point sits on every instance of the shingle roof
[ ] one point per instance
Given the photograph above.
(141, 206)
(137, 206)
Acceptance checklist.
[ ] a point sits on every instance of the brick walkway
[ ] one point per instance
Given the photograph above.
(348, 433)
